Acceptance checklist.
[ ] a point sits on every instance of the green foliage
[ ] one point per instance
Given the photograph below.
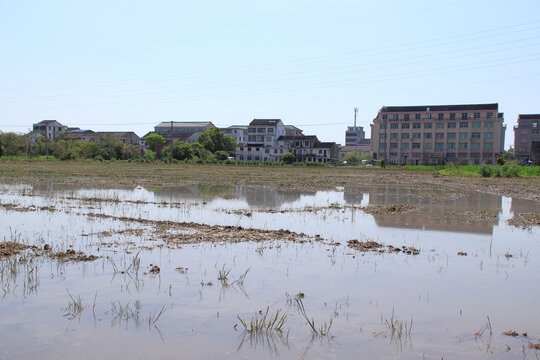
(154, 140)
(12, 144)
(288, 158)
(149, 155)
(501, 160)
(485, 171)
(214, 140)
(182, 151)
(354, 158)
(221, 155)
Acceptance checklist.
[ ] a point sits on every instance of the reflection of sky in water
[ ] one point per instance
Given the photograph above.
(448, 296)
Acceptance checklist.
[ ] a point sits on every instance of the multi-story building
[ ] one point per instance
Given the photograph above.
(182, 130)
(433, 134)
(50, 128)
(527, 133)
(355, 135)
(238, 132)
(267, 142)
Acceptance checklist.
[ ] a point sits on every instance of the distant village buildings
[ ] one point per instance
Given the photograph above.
(426, 134)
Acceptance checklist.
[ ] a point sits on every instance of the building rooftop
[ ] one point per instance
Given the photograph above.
(420, 108)
(183, 124)
(271, 122)
(529, 116)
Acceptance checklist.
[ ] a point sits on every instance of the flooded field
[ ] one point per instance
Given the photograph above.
(219, 272)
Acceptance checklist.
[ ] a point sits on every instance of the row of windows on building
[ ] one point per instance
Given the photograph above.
(440, 116)
(448, 155)
(438, 145)
(450, 135)
(180, 130)
(261, 130)
(281, 151)
(449, 125)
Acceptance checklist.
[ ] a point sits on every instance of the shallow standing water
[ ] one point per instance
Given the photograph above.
(451, 306)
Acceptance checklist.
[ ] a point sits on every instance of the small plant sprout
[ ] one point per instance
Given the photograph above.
(265, 322)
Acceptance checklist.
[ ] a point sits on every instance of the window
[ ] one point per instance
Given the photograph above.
(393, 145)
(536, 131)
(451, 125)
(439, 135)
(395, 117)
(463, 135)
(405, 126)
(270, 130)
(382, 136)
(416, 135)
(488, 146)
(252, 130)
(476, 115)
(463, 145)
(394, 126)
(439, 146)
(382, 145)
(535, 124)
(489, 115)
(451, 145)
(385, 117)
(275, 151)
(417, 126)
(476, 124)
(451, 135)
(405, 145)
(405, 135)
(428, 116)
(428, 135)
(439, 125)
(475, 135)
(428, 145)
(241, 149)
(452, 116)
(416, 145)
(464, 116)
(406, 116)
(382, 126)
(463, 125)
(249, 149)
(267, 151)
(394, 136)
(257, 158)
(417, 116)
(488, 124)
(475, 145)
(428, 125)
(440, 116)
(261, 130)
(488, 135)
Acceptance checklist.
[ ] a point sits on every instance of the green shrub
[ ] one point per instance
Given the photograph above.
(485, 171)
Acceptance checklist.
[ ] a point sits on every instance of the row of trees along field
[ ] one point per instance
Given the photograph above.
(212, 145)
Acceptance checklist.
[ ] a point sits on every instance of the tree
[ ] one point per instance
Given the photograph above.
(182, 151)
(212, 140)
(229, 145)
(288, 158)
(221, 155)
(12, 144)
(154, 140)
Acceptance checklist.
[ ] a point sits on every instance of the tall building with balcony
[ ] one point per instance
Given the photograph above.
(433, 134)
(527, 137)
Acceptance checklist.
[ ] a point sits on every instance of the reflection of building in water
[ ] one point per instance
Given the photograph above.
(520, 206)
(353, 198)
(434, 212)
(254, 196)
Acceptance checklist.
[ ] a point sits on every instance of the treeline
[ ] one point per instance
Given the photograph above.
(213, 146)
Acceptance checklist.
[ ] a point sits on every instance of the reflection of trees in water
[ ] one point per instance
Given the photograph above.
(353, 198)
(269, 198)
(253, 195)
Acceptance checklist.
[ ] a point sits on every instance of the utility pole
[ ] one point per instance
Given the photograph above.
(355, 112)
(171, 139)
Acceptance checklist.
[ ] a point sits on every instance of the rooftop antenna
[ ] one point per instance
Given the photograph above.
(355, 112)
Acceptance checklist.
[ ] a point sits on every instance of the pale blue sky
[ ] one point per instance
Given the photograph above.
(128, 65)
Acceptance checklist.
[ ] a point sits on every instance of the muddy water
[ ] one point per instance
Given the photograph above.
(448, 297)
